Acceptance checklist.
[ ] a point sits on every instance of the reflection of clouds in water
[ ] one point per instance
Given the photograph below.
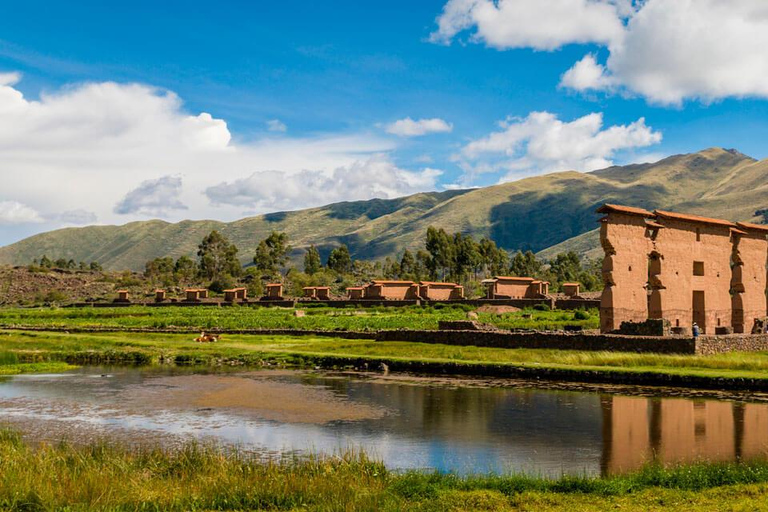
(454, 429)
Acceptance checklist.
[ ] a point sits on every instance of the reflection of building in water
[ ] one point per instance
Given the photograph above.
(638, 430)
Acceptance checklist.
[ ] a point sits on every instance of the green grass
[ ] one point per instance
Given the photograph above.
(317, 318)
(141, 348)
(205, 477)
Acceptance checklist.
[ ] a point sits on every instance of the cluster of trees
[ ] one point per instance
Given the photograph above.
(446, 256)
(44, 262)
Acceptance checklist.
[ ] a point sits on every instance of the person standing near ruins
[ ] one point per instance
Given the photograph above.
(695, 330)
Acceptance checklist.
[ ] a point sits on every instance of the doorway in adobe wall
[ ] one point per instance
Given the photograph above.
(700, 310)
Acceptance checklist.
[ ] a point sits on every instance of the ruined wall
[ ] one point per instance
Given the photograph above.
(683, 249)
(513, 288)
(440, 291)
(625, 270)
(748, 281)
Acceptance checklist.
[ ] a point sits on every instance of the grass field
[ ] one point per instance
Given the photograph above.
(316, 318)
(141, 348)
(204, 477)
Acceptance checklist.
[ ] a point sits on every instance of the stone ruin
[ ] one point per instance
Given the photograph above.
(682, 268)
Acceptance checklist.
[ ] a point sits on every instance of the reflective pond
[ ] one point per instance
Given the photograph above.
(405, 423)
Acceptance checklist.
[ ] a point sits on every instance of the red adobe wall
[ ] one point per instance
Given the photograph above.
(625, 268)
(681, 243)
(513, 287)
(392, 290)
(748, 283)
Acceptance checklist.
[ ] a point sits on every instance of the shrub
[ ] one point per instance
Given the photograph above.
(581, 315)
(542, 307)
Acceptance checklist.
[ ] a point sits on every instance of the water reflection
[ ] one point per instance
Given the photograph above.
(638, 430)
(463, 429)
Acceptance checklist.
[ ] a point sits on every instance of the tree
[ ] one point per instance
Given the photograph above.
(407, 265)
(440, 248)
(312, 263)
(525, 265)
(340, 260)
(45, 262)
(566, 267)
(494, 261)
(272, 253)
(218, 257)
(184, 270)
(159, 270)
(466, 257)
(95, 266)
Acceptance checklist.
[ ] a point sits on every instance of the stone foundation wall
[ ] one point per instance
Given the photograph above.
(577, 303)
(546, 340)
(709, 345)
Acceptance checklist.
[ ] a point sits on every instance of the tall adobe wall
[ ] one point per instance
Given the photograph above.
(625, 267)
(748, 282)
(693, 280)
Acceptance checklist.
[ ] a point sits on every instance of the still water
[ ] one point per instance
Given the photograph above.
(404, 423)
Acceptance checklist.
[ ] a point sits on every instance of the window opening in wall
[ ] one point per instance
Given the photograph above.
(698, 234)
(698, 268)
(677, 323)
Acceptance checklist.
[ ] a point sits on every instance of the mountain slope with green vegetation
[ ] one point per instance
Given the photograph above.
(530, 214)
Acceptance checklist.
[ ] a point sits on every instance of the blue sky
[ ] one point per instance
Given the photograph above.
(330, 79)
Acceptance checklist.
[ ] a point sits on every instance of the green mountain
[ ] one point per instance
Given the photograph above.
(545, 214)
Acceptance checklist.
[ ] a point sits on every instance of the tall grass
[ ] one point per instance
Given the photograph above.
(206, 477)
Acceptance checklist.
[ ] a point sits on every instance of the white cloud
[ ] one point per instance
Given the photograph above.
(153, 197)
(679, 49)
(587, 74)
(374, 177)
(14, 212)
(539, 24)
(664, 50)
(414, 128)
(276, 125)
(543, 143)
(87, 146)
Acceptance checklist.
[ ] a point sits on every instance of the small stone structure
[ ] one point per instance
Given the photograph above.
(122, 296)
(195, 294)
(682, 268)
(510, 287)
(317, 292)
(160, 295)
(274, 291)
(235, 294)
(355, 292)
(392, 290)
(571, 289)
(440, 291)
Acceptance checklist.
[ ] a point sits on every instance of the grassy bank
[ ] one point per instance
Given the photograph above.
(134, 348)
(316, 318)
(12, 364)
(197, 477)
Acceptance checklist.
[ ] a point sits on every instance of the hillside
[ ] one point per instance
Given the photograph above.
(534, 213)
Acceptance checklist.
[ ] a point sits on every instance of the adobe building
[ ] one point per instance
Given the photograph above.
(160, 295)
(392, 290)
(274, 291)
(683, 268)
(355, 292)
(572, 289)
(195, 294)
(440, 291)
(122, 296)
(235, 294)
(317, 292)
(509, 287)
(748, 282)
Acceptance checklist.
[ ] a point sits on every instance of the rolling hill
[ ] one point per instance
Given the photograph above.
(545, 214)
